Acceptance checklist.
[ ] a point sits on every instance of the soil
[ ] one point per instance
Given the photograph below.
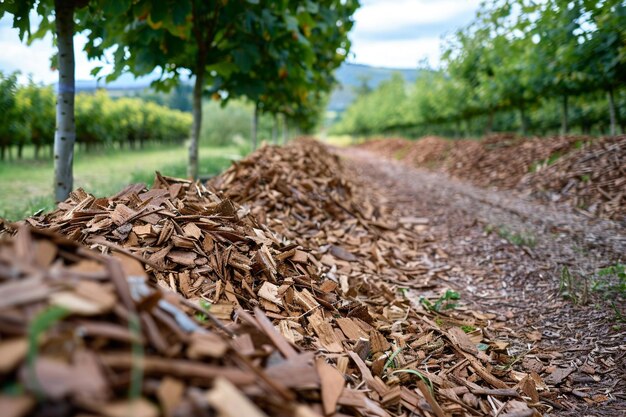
(561, 328)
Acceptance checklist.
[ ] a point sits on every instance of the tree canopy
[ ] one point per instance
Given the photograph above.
(279, 54)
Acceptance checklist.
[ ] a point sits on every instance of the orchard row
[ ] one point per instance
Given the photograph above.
(27, 117)
(520, 65)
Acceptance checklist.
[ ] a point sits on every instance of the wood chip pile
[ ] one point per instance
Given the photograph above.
(503, 160)
(374, 263)
(592, 179)
(391, 148)
(301, 301)
(198, 244)
(554, 169)
(83, 333)
(430, 151)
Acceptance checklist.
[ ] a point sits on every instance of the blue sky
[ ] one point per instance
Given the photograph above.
(387, 33)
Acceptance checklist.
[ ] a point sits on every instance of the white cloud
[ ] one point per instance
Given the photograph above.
(384, 16)
(397, 53)
(400, 33)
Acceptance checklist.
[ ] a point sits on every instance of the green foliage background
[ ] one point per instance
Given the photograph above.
(532, 67)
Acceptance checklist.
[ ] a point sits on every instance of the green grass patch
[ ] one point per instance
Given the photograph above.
(607, 284)
(467, 328)
(39, 325)
(535, 166)
(516, 238)
(579, 144)
(401, 153)
(446, 301)
(26, 186)
(343, 140)
(573, 287)
(610, 283)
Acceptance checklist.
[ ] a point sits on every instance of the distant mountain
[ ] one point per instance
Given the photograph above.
(350, 76)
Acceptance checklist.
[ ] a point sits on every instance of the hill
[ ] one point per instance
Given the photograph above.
(350, 76)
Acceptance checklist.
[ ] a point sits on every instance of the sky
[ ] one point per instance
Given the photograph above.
(401, 33)
(387, 33)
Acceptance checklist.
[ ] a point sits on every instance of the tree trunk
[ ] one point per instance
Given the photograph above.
(192, 168)
(285, 130)
(3, 151)
(37, 148)
(489, 127)
(523, 122)
(20, 151)
(255, 126)
(612, 112)
(65, 134)
(564, 116)
(275, 130)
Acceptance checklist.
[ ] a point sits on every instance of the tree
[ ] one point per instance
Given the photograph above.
(211, 40)
(556, 51)
(604, 50)
(299, 47)
(63, 29)
(275, 35)
(468, 60)
(8, 87)
(364, 87)
(36, 106)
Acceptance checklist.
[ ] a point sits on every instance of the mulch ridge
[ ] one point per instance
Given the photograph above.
(282, 287)
(584, 172)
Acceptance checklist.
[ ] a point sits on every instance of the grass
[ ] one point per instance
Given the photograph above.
(343, 140)
(26, 186)
(202, 317)
(514, 238)
(392, 358)
(401, 153)
(42, 322)
(467, 328)
(418, 374)
(608, 283)
(573, 287)
(445, 302)
(536, 166)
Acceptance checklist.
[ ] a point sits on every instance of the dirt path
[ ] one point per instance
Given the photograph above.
(507, 255)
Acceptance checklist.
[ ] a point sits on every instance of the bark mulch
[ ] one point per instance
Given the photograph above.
(283, 287)
(564, 320)
(586, 173)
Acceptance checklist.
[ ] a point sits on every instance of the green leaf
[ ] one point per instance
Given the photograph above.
(115, 7)
(392, 357)
(418, 374)
(95, 71)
